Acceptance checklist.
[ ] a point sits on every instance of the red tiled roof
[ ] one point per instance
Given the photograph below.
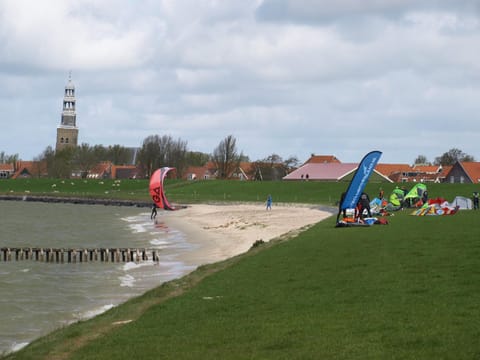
(389, 169)
(30, 168)
(321, 159)
(427, 169)
(473, 170)
(446, 169)
(6, 167)
(99, 170)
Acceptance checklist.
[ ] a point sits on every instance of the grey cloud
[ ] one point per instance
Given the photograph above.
(314, 11)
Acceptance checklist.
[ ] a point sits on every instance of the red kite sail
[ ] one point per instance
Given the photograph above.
(156, 188)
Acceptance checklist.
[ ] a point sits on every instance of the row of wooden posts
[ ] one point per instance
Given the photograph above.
(78, 255)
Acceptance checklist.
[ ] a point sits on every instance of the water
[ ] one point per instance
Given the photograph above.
(38, 297)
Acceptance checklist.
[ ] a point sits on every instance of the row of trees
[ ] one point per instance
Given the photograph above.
(62, 163)
(156, 151)
(8, 159)
(448, 158)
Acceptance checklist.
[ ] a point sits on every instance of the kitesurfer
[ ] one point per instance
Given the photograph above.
(153, 215)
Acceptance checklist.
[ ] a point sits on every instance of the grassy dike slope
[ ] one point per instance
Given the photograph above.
(408, 290)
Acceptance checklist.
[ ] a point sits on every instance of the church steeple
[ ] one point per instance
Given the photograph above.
(67, 131)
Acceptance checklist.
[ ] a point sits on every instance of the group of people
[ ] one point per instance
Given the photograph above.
(363, 205)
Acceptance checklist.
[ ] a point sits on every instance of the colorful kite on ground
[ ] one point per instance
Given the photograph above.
(156, 188)
(435, 209)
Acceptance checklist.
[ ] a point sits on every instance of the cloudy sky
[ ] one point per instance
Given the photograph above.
(290, 77)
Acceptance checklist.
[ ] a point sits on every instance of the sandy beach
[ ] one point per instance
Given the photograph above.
(223, 231)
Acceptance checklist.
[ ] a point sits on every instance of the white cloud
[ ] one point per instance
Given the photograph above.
(287, 77)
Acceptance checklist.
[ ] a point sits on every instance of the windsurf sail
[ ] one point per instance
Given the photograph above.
(359, 180)
(156, 188)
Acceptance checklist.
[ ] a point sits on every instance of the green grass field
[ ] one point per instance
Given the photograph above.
(406, 290)
(310, 192)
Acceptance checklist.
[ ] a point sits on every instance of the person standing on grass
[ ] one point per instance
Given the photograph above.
(269, 202)
(340, 210)
(425, 197)
(381, 193)
(475, 200)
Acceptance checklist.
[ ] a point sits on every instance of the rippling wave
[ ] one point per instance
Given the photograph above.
(38, 297)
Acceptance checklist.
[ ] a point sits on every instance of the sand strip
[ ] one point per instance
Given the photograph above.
(223, 231)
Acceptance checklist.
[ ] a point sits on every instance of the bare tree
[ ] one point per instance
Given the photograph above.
(119, 155)
(226, 157)
(59, 163)
(8, 159)
(196, 158)
(84, 159)
(421, 160)
(149, 154)
(291, 163)
(273, 167)
(158, 151)
(452, 156)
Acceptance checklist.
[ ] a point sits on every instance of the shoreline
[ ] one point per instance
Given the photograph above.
(218, 230)
(222, 231)
(76, 200)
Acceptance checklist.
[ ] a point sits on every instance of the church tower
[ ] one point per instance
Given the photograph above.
(67, 131)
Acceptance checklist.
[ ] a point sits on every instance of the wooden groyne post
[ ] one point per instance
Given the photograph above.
(62, 255)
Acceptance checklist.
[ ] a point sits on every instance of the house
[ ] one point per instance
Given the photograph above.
(102, 170)
(416, 173)
(29, 169)
(205, 172)
(245, 171)
(322, 171)
(329, 168)
(430, 173)
(464, 173)
(6, 171)
(332, 171)
(125, 172)
(395, 172)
